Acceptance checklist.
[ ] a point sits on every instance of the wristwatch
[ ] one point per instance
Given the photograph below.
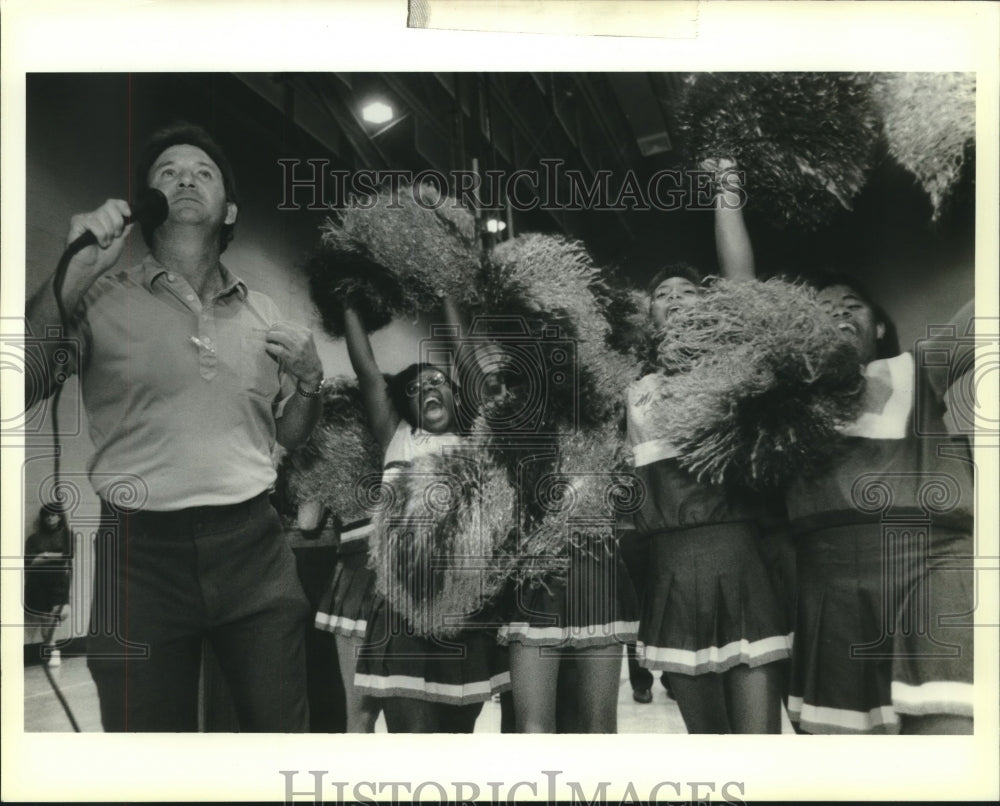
(310, 392)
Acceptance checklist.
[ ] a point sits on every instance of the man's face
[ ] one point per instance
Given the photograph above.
(193, 185)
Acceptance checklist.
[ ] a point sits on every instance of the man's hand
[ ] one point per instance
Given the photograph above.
(45, 312)
(294, 348)
(107, 223)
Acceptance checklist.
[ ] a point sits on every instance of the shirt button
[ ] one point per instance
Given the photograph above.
(170, 278)
(189, 297)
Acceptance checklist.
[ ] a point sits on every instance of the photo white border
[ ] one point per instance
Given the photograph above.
(325, 35)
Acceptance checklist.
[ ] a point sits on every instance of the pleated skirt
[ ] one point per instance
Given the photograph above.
(884, 627)
(396, 662)
(710, 603)
(346, 605)
(592, 604)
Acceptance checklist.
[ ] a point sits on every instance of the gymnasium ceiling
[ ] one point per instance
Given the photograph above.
(614, 122)
(620, 123)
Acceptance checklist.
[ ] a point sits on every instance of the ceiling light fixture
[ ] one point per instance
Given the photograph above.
(377, 112)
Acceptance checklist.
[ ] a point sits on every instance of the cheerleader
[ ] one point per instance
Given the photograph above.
(883, 639)
(566, 630)
(710, 619)
(584, 617)
(344, 611)
(425, 685)
(322, 478)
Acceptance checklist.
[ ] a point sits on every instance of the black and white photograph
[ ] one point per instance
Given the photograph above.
(640, 402)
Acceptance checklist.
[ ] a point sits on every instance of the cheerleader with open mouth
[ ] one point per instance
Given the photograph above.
(427, 682)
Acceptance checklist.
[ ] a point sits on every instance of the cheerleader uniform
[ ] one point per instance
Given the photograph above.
(593, 605)
(710, 603)
(884, 546)
(591, 602)
(394, 661)
(346, 605)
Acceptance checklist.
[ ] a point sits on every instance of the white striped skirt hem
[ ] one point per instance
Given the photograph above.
(521, 632)
(823, 719)
(935, 697)
(713, 660)
(341, 625)
(421, 689)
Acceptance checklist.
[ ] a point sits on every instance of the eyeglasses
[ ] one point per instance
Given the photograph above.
(433, 381)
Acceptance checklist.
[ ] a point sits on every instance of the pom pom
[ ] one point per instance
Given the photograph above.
(594, 468)
(929, 119)
(548, 273)
(806, 140)
(585, 487)
(434, 539)
(631, 334)
(332, 465)
(758, 381)
(337, 275)
(429, 251)
(551, 283)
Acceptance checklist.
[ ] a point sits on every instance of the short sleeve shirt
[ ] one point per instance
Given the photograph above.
(180, 396)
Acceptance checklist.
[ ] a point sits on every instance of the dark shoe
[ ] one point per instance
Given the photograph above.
(643, 695)
(666, 685)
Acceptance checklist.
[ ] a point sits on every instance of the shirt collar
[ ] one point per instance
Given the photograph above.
(153, 269)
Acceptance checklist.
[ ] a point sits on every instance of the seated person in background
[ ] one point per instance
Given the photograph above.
(48, 558)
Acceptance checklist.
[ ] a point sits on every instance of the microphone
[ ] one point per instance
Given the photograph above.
(150, 208)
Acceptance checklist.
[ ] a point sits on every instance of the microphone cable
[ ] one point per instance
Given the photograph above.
(150, 208)
(60, 696)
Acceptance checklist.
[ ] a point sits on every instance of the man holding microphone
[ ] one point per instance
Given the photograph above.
(188, 378)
